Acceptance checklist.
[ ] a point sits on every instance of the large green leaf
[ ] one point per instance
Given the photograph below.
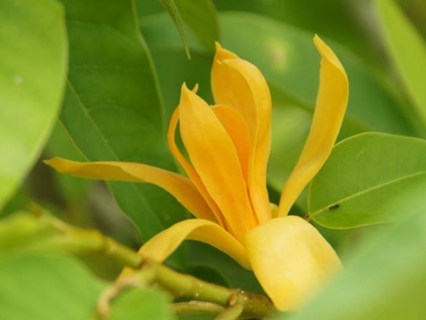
(416, 12)
(196, 70)
(386, 280)
(201, 18)
(148, 8)
(407, 49)
(113, 109)
(198, 15)
(46, 287)
(339, 20)
(172, 9)
(370, 178)
(73, 189)
(141, 304)
(33, 60)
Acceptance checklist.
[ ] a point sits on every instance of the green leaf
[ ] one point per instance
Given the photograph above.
(113, 108)
(61, 145)
(46, 287)
(173, 11)
(370, 178)
(201, 18)
(148, 8)
(334, 19)
(144, 303)
(385, 280)
(33, 61)
(21, 231)
(196, 70)
(408, 51)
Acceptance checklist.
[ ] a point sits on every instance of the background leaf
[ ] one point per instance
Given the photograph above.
(74, 189)
(174, 13)
(201, 18)
(143, 303)
(32, 78)
(408, 51)
(370, 178)
(347, 22)
(113, 108)
(385, 280)
(44, 287)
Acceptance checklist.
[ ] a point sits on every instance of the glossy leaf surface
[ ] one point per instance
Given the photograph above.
(113, 107)
(32, 80)
(46, 287)
(407, 49)
(142, 303)
(370, 178)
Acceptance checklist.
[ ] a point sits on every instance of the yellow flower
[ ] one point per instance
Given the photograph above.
(228, 146)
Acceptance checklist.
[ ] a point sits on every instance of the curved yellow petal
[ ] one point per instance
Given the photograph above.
(291, 260)
(330, 109)
(178, 186)
(238, 131)
(189, 169)
(230, 88)
(165, 243)
(240, 85)
(213, 155)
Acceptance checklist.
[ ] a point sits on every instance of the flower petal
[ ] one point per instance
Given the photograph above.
(240, 85)
(189, 169)
(330, 109)
(180, 187)
(290, 259)
(213, 155)
(238, 131)
(165, 243)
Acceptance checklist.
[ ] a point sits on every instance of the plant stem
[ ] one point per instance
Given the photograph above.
(197, 307)
(186, 286)
(232, 312)
(232, 301)
(182, 285)
(81, 241)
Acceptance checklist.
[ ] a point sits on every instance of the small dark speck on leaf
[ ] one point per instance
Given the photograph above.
(334, 207)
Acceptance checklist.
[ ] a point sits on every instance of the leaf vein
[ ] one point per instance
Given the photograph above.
(368, 190)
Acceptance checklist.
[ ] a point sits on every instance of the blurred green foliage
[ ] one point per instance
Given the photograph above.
(31, 81)
(39, 286)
